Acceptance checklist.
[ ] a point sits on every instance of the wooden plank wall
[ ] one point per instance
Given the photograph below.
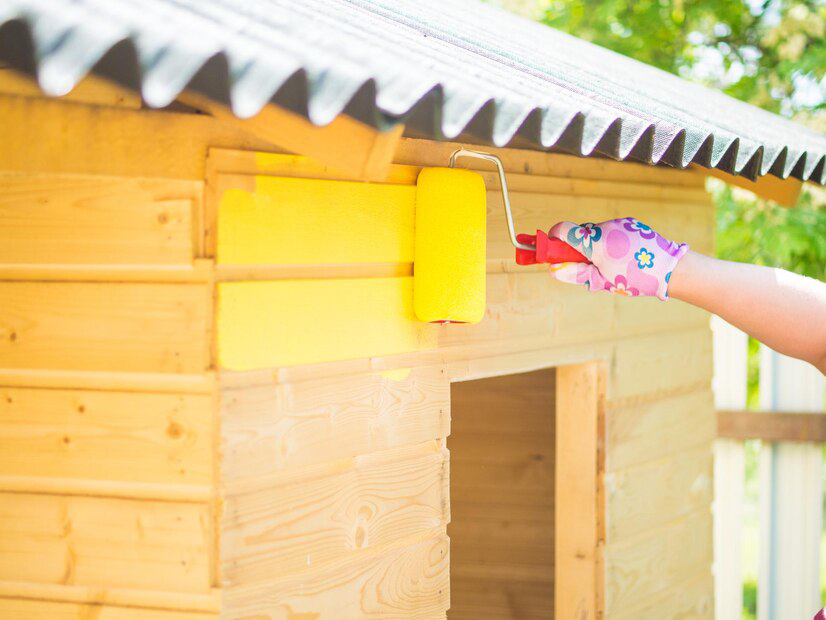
(334, 471)
(502, 497)
(376, 385)
(107, 399)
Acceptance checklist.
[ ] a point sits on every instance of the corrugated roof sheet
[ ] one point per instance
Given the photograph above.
(449, 69)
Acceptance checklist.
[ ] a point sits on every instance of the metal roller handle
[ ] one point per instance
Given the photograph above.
(489, 157)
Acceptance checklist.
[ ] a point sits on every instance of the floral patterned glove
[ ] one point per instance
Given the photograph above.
(627, 257)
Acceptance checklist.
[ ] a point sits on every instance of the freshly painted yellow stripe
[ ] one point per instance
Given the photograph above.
(288, 322)
(309, 221)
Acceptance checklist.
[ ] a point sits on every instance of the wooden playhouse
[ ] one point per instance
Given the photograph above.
(214, 398)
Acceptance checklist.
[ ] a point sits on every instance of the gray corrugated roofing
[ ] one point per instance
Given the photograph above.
(447, 68)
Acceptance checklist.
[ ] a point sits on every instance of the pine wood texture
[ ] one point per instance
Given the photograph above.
(313, 517)
(49, 135)
(91, 89)
(104, 542)
(98, 435)
(271, 428)
(659, 429)
(55, 610)
(107, 415)
(580, 497)
(92, 599)
(48, 219)
(196, 383)
(407, 580)
(643, 568)
(641, 498)
(123, 327)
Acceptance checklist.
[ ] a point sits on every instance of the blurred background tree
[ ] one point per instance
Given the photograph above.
(769, 53)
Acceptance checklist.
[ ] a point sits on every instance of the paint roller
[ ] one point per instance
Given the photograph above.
(449, 242)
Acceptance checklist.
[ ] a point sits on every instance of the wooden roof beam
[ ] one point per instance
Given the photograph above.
(782, 191)
(358, 150)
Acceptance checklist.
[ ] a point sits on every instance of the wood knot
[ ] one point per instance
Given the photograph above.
(361, 537)
(174, 430)
(163, 218)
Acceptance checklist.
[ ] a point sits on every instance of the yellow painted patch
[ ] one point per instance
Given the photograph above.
(397, 374)
(288, 322)
(312, 221)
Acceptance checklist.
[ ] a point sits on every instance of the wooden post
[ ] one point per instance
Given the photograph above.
(791, 503)
(730, 378)
(579, 535)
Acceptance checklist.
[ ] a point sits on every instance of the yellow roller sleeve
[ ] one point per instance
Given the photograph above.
(449, 240)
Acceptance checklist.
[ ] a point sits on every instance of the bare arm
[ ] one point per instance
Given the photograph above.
(783, 310)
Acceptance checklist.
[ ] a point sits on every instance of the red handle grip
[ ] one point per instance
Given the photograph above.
(560, 252)
(548, 250)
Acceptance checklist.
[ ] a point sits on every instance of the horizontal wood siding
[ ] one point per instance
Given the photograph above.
(105, 326)
(408, 580)
(658, 481)
(331, 400)
(104, 542)
(106, 435)
(336, 496)
(52, 610)
(74, 219)
(316, 516)
(107, 401)
(49, 135)
(271, 428)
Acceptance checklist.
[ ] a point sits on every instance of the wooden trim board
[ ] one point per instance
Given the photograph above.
(580, 497)
(782, 191)
(774, 426)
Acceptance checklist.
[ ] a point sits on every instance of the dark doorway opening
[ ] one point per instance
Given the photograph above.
(502, 463)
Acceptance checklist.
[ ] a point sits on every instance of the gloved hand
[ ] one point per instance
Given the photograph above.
(627, 257)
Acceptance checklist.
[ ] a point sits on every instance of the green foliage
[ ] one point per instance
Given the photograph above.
(770, 53)
(750, 600)
(758, 52)
(754, 231)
